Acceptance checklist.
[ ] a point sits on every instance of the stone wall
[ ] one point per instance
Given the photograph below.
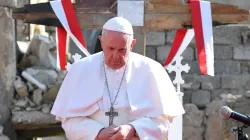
(204, 95)
(7, 65)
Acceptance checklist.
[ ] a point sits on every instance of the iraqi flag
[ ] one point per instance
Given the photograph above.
(65, 12)
(203, 32)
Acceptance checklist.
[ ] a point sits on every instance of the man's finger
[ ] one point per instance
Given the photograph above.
(114, 130)
(135, 138)
(114, 137)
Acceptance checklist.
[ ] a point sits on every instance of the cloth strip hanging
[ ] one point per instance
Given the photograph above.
(202, 30)
(65, 12)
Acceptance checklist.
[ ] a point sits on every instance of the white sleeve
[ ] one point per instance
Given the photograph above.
(81, 128)
(152, 128)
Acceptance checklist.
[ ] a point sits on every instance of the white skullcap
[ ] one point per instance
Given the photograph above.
(119, 24)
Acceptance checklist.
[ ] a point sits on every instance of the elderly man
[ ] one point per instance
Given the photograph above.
(117, 94)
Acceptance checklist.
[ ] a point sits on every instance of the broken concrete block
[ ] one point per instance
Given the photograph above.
(20, 87)
(45, 76)
(30, 86)
(52, 93)
(40, 53)
(1, 129)
(31, 79)
(37, 96)
(21, 103)
(46, 109)
(3, 137)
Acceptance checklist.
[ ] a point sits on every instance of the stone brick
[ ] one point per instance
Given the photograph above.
(243, 4)
(194, 66)
(216, 94)
(193, 112)
(192, 133)
(171, 75)
(242, 105)
(8, 3)
(228, 34)
(188, 54)
(241, 53)
(192, 123)
(222, 52)
(22, 31)
(208, 82)
(214, 123)
(21, 3)
(151, 52)
(245, 67)
(220, 67)
(155, 38)
(171, 35)
(201, 98)
(247, 85)
(191, 82)
(163, 52)
(235, 81)
(227, 67)
(187, 96)
(247, 94)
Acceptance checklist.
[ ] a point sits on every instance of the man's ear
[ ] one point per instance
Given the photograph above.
(100, 38)
(132, 44)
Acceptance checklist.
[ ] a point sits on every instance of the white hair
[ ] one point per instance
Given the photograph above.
(128, 36)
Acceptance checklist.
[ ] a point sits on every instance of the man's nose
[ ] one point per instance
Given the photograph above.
(115, 55)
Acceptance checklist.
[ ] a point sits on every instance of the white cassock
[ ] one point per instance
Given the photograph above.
(146, 98)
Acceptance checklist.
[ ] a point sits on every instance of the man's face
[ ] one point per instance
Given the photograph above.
(116, 47)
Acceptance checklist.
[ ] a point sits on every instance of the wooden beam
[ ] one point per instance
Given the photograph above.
(158, 15)
(41, 132)
(140, 36)
(33, 119)
(166, 2)
(35, 124)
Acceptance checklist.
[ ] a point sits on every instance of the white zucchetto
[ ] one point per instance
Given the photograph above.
(119, 24)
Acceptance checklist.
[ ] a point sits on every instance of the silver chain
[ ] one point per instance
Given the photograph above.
(106, 81)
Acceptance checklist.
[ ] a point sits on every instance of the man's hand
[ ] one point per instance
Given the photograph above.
(126, 132)
(106, 133)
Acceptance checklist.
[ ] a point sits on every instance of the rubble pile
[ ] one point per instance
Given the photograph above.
(2, 136)
(38, 79)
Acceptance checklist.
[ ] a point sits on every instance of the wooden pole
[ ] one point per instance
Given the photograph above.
(140, 36)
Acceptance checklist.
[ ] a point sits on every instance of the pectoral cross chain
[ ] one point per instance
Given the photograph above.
(111, 115)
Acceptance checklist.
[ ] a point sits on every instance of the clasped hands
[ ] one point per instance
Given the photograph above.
(123, 132)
